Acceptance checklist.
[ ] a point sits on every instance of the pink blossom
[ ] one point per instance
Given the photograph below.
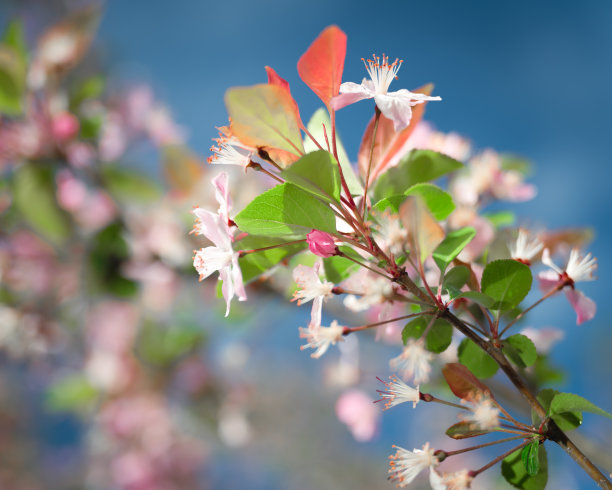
(311, 287)
(221, 257)
(321, 243)
(64, 126)
(71, 192)
(579, 268)
(396, 106)
(355, 409)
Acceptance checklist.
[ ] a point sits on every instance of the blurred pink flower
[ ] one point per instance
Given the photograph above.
(357, 410)
(64, 126)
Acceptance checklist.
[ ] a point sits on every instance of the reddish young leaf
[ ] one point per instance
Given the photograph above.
(463, 430)
(390, 146)
(462, 382)
(321, 66)
(275, 79)
(384, 136)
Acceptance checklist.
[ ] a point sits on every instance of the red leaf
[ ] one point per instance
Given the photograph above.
(321, 66)
(275, 79)
(463, 430)
(462, 382)
(384, 136)
(390, 146)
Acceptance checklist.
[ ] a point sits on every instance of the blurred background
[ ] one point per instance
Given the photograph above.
(119, 370)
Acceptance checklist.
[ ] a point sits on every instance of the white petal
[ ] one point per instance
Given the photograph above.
(398, 109)
(349, 94)
(210, 259)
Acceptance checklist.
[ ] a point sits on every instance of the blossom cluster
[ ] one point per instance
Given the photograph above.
(383, 241)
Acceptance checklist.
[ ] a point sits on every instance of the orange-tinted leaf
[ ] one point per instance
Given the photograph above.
(396, 149)
(321, 66)
(557, 241)
(182, 168)
(463, 430)
(275, 79)
(384, 136)
(263, 116)
(425, 234)
(462, 382)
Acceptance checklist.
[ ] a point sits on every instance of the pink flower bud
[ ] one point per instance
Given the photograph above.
(321, 243)
(65, 126)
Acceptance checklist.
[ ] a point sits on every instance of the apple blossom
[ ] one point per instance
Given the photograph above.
(396, 106)
(398, 392)
(579, 268)
(406, 465)
(413, 362)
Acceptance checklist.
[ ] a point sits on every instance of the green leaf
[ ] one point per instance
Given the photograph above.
(34, 197)
(392, 202)
(12, 82)
(520, 350)
(128, 185)
(337, 268)
(286, 210)
(90, 88)
(514, 471)
(568, 402)
(440, 203)
(316, 172)
(162, 346)
(456, 277)
(516, 164)
(315, 127)
(463, 430)
(462, 382)
(108, 255)
(264, 115)
(254, 264)
(479, 298)
(72, 393)
(566, 421)
(530, 458)
(14, 38)
(500, 219)
(454, 242)
(418, 166)
(13, 69)
(438, 338)
(476, 360)
(507, 282)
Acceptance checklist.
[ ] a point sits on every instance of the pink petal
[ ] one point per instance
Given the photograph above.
(222, 194)
(237, 278)
(394, 107)
(548, 280)
(227, 288)
(584, 307)
(210, 259)
(349, 94)
(214, 228)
